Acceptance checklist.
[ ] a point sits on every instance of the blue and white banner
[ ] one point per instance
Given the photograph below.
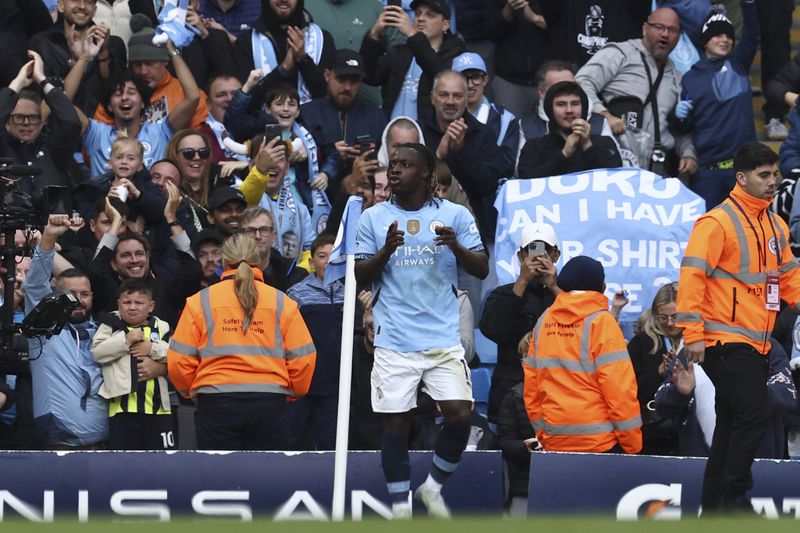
(39, 486)
(633, 487)
(634, 222)
(345, 243)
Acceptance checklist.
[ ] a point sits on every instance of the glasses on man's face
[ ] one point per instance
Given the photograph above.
(263, 230)
(667, 318)
(33, 120)
(189, 153)
(475, 79)
(660, 28)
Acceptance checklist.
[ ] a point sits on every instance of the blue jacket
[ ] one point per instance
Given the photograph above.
(790, 149)
(321, 308)
(722, 118)
(782, 393)
(321, 118)
(67, 408)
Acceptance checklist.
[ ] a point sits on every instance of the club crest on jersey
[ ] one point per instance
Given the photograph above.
(435, 224)
(773, 246)
(412, 226)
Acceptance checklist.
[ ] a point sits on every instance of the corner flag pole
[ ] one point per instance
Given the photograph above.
(344, 246)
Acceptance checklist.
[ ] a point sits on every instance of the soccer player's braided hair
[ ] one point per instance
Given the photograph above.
(430, 162)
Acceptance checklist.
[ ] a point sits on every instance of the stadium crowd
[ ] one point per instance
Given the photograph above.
(209, 148)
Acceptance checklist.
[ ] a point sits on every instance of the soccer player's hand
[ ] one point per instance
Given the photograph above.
(446, 236)
(394, 238)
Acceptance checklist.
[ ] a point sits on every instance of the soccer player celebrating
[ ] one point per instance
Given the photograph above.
(414, 271)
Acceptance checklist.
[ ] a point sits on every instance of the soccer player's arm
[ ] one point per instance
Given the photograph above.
(300, 353)
(183, 357)
(617, 381)
(470, 251)
(700, 258)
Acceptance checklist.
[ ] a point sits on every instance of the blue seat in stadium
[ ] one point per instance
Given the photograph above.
(486, 349)
(481, 381)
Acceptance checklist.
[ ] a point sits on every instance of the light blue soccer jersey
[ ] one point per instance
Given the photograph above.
(99, 137)
(414, 301)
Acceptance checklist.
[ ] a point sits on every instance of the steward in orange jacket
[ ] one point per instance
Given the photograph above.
(210, 354)
(736, 270)
(580, 388)
(722, 297)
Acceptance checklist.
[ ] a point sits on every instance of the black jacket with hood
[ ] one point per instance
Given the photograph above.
(542, 157)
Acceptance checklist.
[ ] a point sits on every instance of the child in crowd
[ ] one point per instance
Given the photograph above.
(131, 345)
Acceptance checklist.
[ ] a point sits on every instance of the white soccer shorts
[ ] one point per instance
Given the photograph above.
(396, 376)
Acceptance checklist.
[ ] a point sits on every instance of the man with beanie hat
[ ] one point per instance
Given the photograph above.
(569, 146)
(57, 48)
(149, 62)
(716, 104)
(579, 362)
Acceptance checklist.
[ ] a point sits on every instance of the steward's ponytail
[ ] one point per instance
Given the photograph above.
(241, 251)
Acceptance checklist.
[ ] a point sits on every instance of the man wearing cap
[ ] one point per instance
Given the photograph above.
(512, 310)
(54, 45)
(342, 116)
(619, 80)
(406, 73)
(580, 388)
(570, 146)
(717, 91)
(224, 207)
(149, 62)
(499, 119)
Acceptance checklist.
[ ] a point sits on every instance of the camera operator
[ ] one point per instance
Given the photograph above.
(570, 146)
(68, 411)
(24, 138)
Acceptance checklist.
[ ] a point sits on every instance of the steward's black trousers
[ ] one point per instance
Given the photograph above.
(739, 374)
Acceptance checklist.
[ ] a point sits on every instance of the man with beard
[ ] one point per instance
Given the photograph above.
(224, 207)
(284, 39)
(570, 145)
(57, 46)
(68, 411)
(341, 117)
(633, 78)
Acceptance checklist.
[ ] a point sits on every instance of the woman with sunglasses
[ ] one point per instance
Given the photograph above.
(652, 351)
(191, 151)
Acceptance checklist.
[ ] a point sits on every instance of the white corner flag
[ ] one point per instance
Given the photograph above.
(342, 264)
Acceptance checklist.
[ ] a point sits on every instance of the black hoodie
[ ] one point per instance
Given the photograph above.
(240, 54)
(542, 157)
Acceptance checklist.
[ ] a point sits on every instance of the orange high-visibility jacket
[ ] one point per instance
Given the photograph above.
(580, 388)
(722, 296)
(210, 354)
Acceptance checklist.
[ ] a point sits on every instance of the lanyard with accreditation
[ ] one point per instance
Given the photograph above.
(773, 296)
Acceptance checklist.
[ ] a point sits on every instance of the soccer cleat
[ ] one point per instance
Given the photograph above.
(776, 130)
(433, 502)
(401, 511)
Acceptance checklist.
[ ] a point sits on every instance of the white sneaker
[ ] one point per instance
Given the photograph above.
(776, 130)
(433, 501)
(401, 511)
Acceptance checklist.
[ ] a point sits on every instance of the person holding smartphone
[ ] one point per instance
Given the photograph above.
(512, 310)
